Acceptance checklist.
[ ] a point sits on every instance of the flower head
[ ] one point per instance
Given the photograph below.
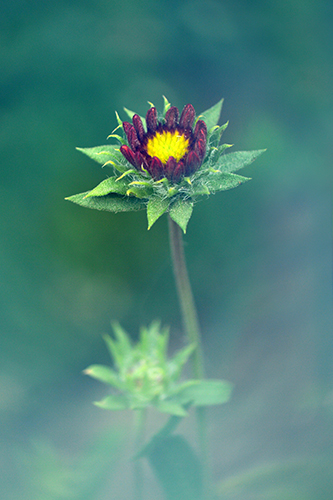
(170, 148)
(165, 163)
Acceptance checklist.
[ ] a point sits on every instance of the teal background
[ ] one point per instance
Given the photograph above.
(259, 256)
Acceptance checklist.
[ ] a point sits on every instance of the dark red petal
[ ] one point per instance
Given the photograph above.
(187, 116)
(179, 172)
(200, 125)
(200, 148)
(192, 163)
(171, 117)
(129, 155)
(200, 145)
(156, 168)
(151, 120)
(133, 139)
(138, 127)
(141, 162)
(169, 168)
(127, 126)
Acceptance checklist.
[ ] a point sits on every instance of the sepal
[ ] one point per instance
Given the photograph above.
(110, 203)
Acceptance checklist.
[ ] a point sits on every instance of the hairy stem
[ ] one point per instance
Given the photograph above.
(191, 326)
(187, 305)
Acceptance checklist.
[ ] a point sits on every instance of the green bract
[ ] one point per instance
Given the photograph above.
(130, 188)
(144, 376)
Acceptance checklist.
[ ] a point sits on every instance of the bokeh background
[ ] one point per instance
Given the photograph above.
(259, 256)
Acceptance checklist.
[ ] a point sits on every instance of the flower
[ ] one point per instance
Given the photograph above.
(144, 375)
(167, 166)
(171, 148)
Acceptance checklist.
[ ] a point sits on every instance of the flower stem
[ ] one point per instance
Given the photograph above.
(140, 417)
(191, 324)
(187, 305)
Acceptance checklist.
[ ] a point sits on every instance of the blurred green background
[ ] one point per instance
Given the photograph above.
(260, 266)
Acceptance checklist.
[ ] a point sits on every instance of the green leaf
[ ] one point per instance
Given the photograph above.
(180, 387)
(216, 181)
(103, 154)
(110, 202)
(205, 393)
(110, 185)
(156, 208)
(180, 212)
(303, 477)
(171, 407)
(212, 115)
(178, 361)
(104, 374)
(113, 402)
(215, 136)
(235, 161)
(166, 105)
(123, 339)
(177, 468)
(140, 190)
(115, 351)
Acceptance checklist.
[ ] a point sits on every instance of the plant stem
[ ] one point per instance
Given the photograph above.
(191, 325)
(140, 417)
(187, 305)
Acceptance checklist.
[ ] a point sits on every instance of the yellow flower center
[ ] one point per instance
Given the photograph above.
(166, 144)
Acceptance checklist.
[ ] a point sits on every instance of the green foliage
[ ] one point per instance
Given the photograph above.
(235, 161)
(178, 468)
(49, 473)
(104, 155)
(180, 211)
(205, 393)
(145, 376)
(110, 202)
(299, 478)
(135, 190)
(156, 207)
(110, 185)
(212, 115)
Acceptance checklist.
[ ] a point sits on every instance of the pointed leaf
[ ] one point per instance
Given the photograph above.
(173, 408)
(211, 161)
(110, 202)
(181, 387)
(115, 351)
(123, 339)
(110, 185)
(235, 161)
(142, 191)
(215, 136)
(177, 468)
(156, 208)
(216, 181)
(104, 374)
(180, 212)
(199, 189)
(178, 361)
(166, 105)
(212, 115)
(113, 402)
(205, 392)
(103, 154)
